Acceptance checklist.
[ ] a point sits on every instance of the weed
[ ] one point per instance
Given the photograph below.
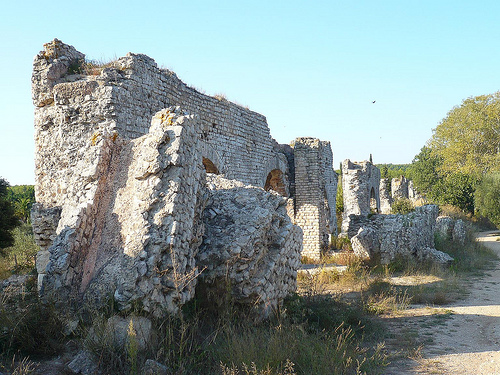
(28, 326)
(92, 67)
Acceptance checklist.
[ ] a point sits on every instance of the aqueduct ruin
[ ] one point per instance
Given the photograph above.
(110, 158)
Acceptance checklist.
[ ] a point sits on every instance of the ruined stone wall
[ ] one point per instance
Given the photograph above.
(137, 238)
(236, 140)
(315, 194)
(120, 197)
(399, 188)
(361, 189)
(123, 98)
(383, 238)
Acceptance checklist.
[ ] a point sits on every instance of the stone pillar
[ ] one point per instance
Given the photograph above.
(361, 185)
(315, 194)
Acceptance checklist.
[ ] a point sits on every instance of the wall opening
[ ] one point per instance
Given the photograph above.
(275, 182)
(373, 202)
(209, 166)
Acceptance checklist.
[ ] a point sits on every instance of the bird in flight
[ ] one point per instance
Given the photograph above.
(374, 101)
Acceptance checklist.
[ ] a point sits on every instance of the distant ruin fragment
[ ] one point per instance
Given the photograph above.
(385, 237)
(361, 189)
(121, 160)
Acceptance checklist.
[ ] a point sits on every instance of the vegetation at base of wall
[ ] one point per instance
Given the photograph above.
(28, 326)
(308, 334)
(340, 243)
(402, 206)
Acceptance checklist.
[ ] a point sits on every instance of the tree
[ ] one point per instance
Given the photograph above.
(487, 198)
(468, 139)
(439, 185)
(8, 219)
(22, 197)
(425, 171)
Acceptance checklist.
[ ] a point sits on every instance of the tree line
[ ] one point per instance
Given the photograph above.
(460, 164)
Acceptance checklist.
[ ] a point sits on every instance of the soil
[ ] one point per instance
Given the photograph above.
(462, 337)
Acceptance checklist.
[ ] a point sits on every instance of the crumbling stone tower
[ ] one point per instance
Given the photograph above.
(361, 189)
(315, 194)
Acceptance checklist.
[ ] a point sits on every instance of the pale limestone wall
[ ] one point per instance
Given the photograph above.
(257, 249)
(90, 133)
(315, 194)
(361, 189)
(237, 140)
(383, 238)
(137, 239)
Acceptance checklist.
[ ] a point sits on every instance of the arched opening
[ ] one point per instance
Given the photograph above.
(373, 201)
(209, 166)
(275, 182)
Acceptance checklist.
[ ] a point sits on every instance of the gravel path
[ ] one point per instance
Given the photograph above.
(465, 337)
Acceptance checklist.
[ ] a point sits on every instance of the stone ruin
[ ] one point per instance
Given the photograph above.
(145, 186)
(361, 190)
(397, 188)
(382, 238)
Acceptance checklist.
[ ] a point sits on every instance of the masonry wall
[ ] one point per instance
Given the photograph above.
(237, 140)
(315, 194)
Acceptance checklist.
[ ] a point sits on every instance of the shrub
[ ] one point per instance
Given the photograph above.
(402, 206)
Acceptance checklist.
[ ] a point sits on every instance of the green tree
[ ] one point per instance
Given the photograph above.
(456, 189)
(439, 185)
(22, 197)
(487, 198)
(424, 170)
(468, 139)
(8, 220)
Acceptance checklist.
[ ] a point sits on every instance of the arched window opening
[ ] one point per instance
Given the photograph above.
(275, 182)
(209, 166)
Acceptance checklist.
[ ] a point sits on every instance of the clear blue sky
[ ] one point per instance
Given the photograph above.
(312, 68)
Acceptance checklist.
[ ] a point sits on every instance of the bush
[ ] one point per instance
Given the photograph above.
(402, 206)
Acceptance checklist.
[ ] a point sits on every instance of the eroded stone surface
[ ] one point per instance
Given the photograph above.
(250, 243)
(361, 189)
(386, 237)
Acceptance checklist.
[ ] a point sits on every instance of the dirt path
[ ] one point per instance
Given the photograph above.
(462, 337)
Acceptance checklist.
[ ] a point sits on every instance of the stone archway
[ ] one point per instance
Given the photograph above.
(275, 182)
(210, 166)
